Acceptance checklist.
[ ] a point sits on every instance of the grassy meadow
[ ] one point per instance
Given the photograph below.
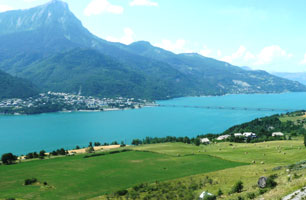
(76, 177)
(266, 155)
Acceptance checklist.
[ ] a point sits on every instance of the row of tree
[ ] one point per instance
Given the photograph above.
(156, 140)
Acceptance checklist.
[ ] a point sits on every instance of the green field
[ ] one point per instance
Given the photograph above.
(77, 177)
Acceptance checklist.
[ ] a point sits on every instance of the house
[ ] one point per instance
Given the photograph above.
(205, 140)
(277, 134)
(249, 134)
(238, 135)
(204, 194)
(223, 137)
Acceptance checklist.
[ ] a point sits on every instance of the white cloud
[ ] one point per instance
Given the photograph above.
(270, 53)
(249, 56)
(96, 7)
(4, 8)
(236, 55)
(219, 53)
(143, 3)
(205, 51)
(127, 38)
(177, 46)
(303, 62)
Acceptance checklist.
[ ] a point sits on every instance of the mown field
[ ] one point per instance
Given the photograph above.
(267, 156)
(77, 177)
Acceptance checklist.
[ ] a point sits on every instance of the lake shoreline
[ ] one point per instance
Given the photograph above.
(82, 111)
(66, 130)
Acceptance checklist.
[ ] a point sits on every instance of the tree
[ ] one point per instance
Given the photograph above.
(237, 187)
(305, 139)
(42, 153)
(122, 144)
(8, 158)
(136, 142)
(197, 142)
(97, 144)
(90, 150)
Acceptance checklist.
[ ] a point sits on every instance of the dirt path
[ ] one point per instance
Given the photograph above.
(297, 195)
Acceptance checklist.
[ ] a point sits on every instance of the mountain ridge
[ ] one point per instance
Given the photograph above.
(114, 69)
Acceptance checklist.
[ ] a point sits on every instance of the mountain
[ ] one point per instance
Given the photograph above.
(49, 46)
(12, 87)
(298, 76)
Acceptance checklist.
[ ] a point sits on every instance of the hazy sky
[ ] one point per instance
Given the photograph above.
(261, 34)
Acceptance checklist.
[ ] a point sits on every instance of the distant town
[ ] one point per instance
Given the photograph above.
(55, 102)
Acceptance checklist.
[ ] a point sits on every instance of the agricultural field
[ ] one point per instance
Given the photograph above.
(265, 159)
(76, 177)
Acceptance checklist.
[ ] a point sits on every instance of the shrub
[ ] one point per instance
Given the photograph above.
(90, 149)
(237, 188)
(208, 197)
(251, 195)
(30, 181)
(271, 182)
(220, 193)
(262, 191)
(121, 192)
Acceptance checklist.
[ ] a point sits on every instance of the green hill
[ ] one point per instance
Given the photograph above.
(12, 87)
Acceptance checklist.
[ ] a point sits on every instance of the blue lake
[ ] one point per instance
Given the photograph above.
(23, 134)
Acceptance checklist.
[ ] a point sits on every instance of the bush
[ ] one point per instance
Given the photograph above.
(208, 197)
(90, 150)
(262, 191)
(8, 158)
(251, 195)
(121, 192)
(270, 181)
(237, 188)
(30, 181)
(220, 193)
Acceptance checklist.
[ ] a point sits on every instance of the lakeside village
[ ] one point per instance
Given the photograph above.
(65, 102)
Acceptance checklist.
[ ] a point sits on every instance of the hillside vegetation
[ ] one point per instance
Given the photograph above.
(12, 87)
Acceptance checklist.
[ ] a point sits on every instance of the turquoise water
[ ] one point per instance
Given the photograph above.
(23, 134)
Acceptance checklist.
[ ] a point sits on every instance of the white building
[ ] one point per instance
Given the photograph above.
(223, 137)
(205, 140)
(280, 134)
(249, 134)
(238, 134)
(204, 194)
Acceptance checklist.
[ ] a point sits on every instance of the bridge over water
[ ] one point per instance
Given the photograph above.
(229, 108)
